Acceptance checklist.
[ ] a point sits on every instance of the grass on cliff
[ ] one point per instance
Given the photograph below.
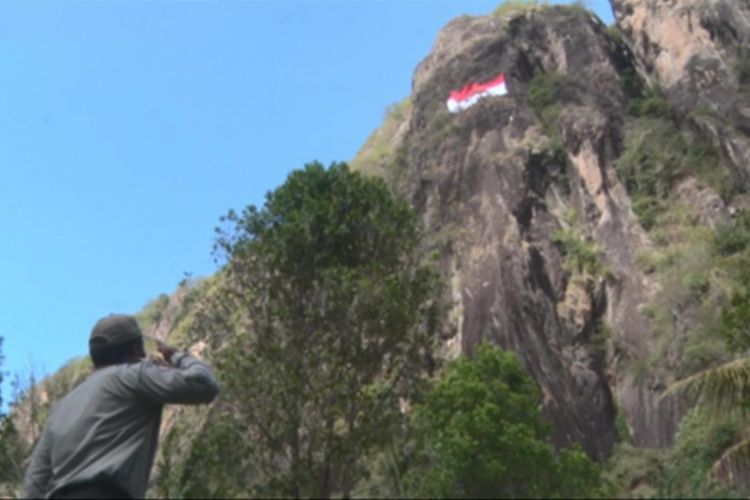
(581, 254)
(514, 7)
(378, 153)
(693, 286)
(152, 312)
(656, 155)
(545, 92)
(511, 8)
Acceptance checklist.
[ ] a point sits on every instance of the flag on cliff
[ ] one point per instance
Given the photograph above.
(469, 95)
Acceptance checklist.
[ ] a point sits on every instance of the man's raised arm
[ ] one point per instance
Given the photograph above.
(186, 380)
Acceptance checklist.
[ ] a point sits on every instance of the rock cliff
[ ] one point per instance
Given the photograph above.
(697, 51)
(507, 186)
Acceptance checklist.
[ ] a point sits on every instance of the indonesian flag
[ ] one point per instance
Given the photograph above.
(469, 95)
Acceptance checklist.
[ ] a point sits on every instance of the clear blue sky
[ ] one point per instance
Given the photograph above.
(128, 128)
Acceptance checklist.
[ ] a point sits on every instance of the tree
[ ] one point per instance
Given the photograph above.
(482, 436)
(11, 448)
(2, 359)
(333, 322)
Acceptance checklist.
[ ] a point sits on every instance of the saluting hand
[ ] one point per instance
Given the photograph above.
(166, 350)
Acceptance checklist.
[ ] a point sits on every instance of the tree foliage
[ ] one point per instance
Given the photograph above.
(699, 443)
(11, 447)
(333, 320)
(482, 436)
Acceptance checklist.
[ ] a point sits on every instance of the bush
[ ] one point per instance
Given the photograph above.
(13, 454)
(614, 33)
(630, 81)
(653, 104)
(546, 92)
(655, 155)
(581, 256)
(636, 472)
(699, 442)
(734, 238)
(482, 436)
(545, 89)
(682, 471)
(735, 319)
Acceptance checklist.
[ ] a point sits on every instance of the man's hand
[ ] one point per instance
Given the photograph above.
(166, 350)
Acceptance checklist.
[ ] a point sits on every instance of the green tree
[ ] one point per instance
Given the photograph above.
(333, 316)
(2, 359)
(11, 448)
(482, 436)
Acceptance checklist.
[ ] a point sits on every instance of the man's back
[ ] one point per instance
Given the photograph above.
(106, 429)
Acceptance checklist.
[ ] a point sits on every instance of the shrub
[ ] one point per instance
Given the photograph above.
(614, 33)
(653, 104)
(545, 89)
(482, 436)
(735, 237)
(545, 92)
(699, 442)
(630, 81)
(581, 256)
(735, 319)
(634, 471)
(655, 155)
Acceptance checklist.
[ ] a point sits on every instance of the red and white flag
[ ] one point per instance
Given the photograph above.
(469, 95)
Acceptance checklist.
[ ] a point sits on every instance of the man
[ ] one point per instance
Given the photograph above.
(100, 440)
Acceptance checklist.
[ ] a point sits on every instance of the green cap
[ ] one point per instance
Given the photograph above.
(113, 330)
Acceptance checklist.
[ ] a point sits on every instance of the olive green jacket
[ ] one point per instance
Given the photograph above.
(107, 428)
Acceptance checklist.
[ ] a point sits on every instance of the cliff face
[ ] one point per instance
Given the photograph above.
(501, 185)
(697, 50)
(496, 178)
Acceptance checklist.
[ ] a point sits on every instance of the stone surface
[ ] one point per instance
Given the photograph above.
(695, 49)
(491, 172)
(493, 192)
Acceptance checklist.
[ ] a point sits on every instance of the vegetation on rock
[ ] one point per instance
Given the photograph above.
(481, 434)
(581, 255)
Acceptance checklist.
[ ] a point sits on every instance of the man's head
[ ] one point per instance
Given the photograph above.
(116, 339)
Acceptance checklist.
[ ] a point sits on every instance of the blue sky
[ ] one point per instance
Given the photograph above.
(127, 128)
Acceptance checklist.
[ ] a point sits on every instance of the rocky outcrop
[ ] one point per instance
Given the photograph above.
(698, 51)
(500, 182)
